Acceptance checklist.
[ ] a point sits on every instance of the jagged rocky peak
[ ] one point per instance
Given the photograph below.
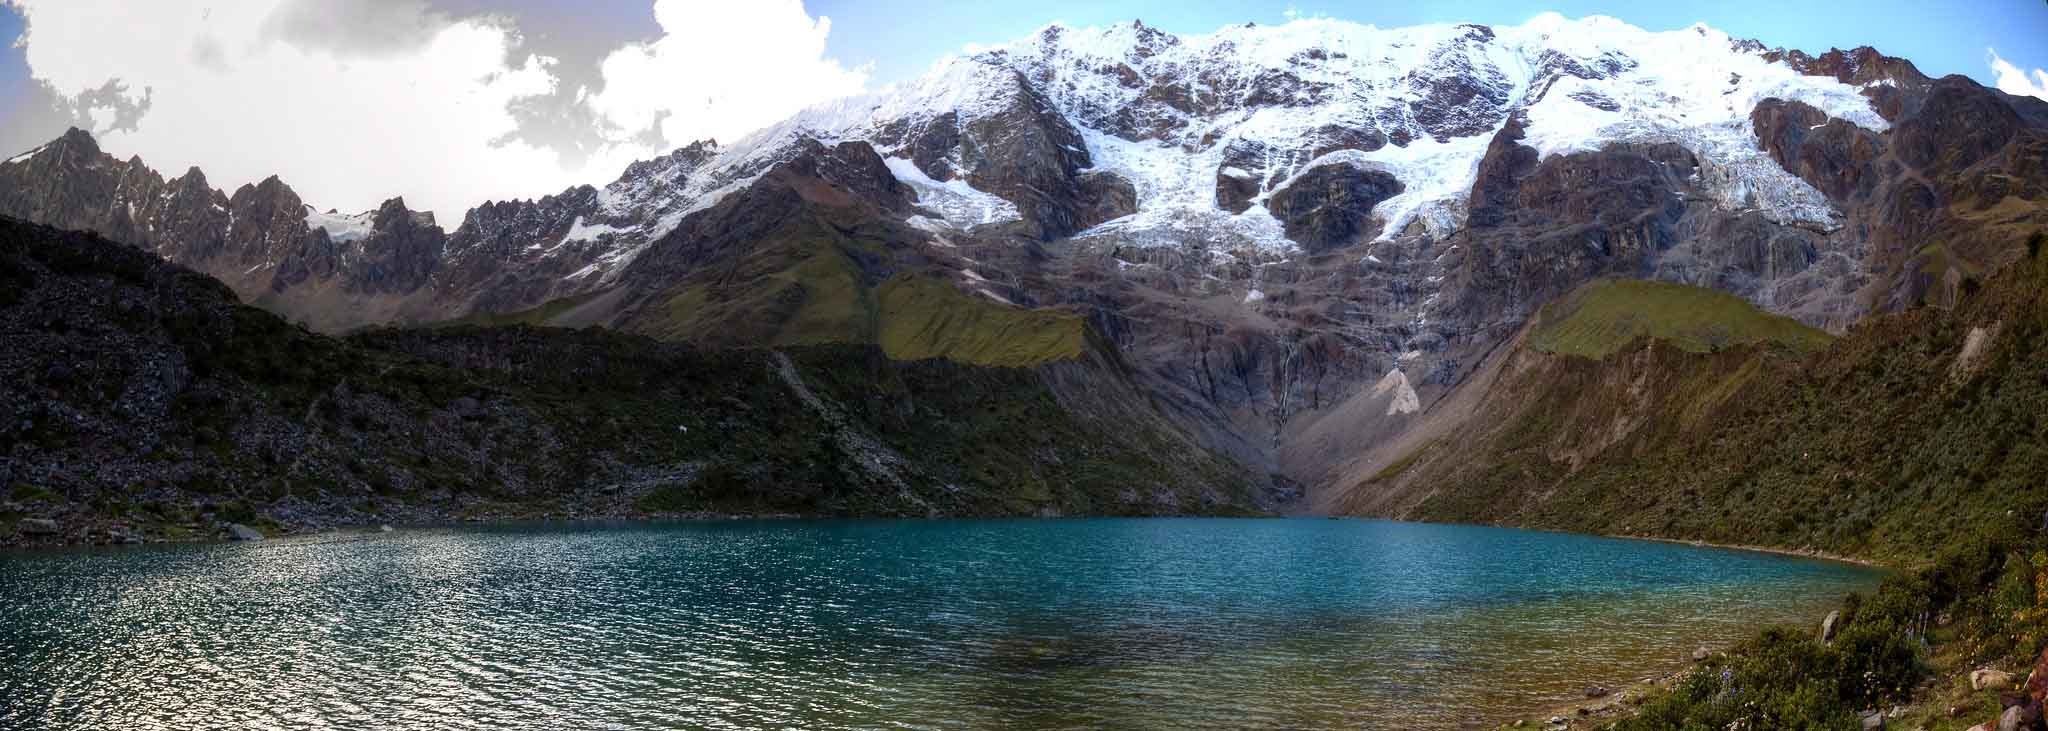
(506, 224)
(75, 143)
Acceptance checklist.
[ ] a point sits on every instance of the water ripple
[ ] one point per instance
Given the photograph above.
(869, 624)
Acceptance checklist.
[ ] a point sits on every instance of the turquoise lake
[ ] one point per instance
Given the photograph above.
(1052, 624)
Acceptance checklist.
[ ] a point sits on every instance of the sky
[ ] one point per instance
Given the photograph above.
(452, 102)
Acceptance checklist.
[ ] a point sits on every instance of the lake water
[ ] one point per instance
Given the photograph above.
(1163, 623)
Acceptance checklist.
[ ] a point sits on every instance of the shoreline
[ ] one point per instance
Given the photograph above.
(1772, 550)
(1623, 701)
(14, 543)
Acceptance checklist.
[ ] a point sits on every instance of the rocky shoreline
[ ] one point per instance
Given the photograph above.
(1776, 551)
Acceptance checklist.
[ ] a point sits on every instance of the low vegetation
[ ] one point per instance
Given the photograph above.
(807, 285)
(924, 318)
(1907, 646)
(1919, 439)
(1600, 318)
(137, 398)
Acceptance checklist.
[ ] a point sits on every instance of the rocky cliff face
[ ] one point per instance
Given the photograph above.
(1267, 222)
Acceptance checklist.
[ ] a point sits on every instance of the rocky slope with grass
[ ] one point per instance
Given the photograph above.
(1917, 439)
(1650, 409)
(1268, 223)
(140, 400)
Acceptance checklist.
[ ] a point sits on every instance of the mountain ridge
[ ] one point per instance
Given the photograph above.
(1266, 222)
(142, 401)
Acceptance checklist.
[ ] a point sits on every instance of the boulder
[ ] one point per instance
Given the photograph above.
(37, 527)
(1829, 625)
(239, 532)
(2037, 682)
(1701, 654)
(1989, 679)
(1597, 691)
(2025, 715)
(384, 529)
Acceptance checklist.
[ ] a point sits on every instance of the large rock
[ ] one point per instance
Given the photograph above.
(2023, 717)
(1828, 626)
(1330, 206)
(239, 532)
(1989, 679)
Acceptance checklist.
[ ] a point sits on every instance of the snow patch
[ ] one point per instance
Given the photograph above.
(1404, 399)
(958, 203)
(26, 156)
(342, 227)
(582, 231)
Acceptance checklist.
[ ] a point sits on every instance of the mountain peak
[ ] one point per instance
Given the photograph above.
(78, 137)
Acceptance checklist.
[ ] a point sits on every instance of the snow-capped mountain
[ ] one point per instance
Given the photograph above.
(1266, 220)
(1207, 130)
(1183, 118)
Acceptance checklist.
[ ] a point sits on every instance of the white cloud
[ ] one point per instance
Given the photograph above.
(721, 69)
(2017, 81)
(351, 123)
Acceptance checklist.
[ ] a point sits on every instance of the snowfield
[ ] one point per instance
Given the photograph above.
(1581, 85)
(342, 227)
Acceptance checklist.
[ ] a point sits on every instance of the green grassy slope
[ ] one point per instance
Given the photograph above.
(806, 284)
(1599, 318)
(922, 317)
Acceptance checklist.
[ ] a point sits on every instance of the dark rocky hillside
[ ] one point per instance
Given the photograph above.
(140, 400)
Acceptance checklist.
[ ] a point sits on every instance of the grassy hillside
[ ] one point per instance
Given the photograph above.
(1610, 370)
(1877, 445)
(922, 317)
(138, 399)
(1889, 444)
(812, 283)
(1600, 318)
(801, 285)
